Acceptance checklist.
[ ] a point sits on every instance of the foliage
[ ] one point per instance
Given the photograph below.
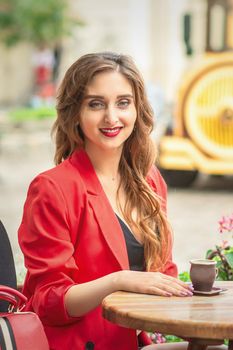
(172, 339)
(223, 253)
(42, 22)
(24, 114)
(184, 276)
(159, 338)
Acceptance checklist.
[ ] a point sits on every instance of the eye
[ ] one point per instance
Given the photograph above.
(96, 105)
(124, 103)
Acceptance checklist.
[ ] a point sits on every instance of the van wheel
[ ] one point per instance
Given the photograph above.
(179, 178)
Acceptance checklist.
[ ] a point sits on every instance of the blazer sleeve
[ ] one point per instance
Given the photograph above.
(44, 237)
(158, 184)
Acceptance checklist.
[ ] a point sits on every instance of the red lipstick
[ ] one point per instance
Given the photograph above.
(110, 132)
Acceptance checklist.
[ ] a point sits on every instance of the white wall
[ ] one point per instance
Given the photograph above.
(167, 46)
(121, 26)
(15, 73)
(149, 30)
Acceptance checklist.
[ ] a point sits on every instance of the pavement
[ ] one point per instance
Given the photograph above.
(27, 149)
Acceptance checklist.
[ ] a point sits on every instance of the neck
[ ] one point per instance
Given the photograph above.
(107, 165)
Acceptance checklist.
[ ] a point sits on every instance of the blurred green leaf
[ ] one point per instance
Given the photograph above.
(209, 252)
(24, 114)
(184, 276)
(229, 259)
(42, 22)
(172, 339)
(222, 275)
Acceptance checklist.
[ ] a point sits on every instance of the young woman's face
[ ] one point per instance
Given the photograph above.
(108, 113)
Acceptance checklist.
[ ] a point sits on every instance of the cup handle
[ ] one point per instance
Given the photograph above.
(216, 272)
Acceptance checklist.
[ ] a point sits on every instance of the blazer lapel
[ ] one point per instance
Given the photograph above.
(110, 228)
(104, 213)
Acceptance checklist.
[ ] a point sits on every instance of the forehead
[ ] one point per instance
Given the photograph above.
(109, 82)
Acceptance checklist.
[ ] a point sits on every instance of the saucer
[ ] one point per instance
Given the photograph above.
(213, 291)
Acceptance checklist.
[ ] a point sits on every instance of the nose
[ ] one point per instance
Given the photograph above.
(111, 117)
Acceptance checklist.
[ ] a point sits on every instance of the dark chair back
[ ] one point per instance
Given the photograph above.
(7, 265)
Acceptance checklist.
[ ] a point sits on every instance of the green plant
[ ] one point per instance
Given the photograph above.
(24, 114)
(159, 338)
(172, 339)
(223, 253)
(184, 276)
(42, 22)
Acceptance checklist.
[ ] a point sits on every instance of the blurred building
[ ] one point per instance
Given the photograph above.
(149, 30)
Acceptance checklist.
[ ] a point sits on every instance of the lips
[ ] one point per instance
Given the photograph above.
(110, 132)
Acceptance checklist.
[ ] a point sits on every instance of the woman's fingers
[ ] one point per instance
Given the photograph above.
(180, 284)
(166, 285)
(173, 289)
(159, 291)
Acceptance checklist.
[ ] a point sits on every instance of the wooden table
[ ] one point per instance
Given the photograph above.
(203, 320)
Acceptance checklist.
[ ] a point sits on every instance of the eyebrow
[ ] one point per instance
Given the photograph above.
(102, 97)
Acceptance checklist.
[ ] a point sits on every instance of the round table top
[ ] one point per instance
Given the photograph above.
(207, 317)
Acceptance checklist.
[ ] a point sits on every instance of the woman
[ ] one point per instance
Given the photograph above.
(96, 223)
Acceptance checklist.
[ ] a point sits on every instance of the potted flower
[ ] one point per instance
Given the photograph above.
(223, 253)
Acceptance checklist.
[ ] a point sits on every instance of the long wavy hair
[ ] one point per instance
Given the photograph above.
(138, 154)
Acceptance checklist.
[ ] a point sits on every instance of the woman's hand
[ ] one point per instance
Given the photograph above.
(151, 283)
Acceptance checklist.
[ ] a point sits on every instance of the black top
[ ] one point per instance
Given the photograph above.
(134, 248)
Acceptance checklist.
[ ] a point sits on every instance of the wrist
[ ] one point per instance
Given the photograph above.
(118, 280)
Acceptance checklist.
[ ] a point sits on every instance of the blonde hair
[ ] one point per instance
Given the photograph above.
(138, 154)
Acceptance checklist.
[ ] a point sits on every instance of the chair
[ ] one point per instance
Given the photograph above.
(7, 265)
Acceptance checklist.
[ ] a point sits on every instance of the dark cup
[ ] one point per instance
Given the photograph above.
(202, 274)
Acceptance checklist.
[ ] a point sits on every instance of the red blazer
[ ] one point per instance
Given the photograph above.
(69, 234)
